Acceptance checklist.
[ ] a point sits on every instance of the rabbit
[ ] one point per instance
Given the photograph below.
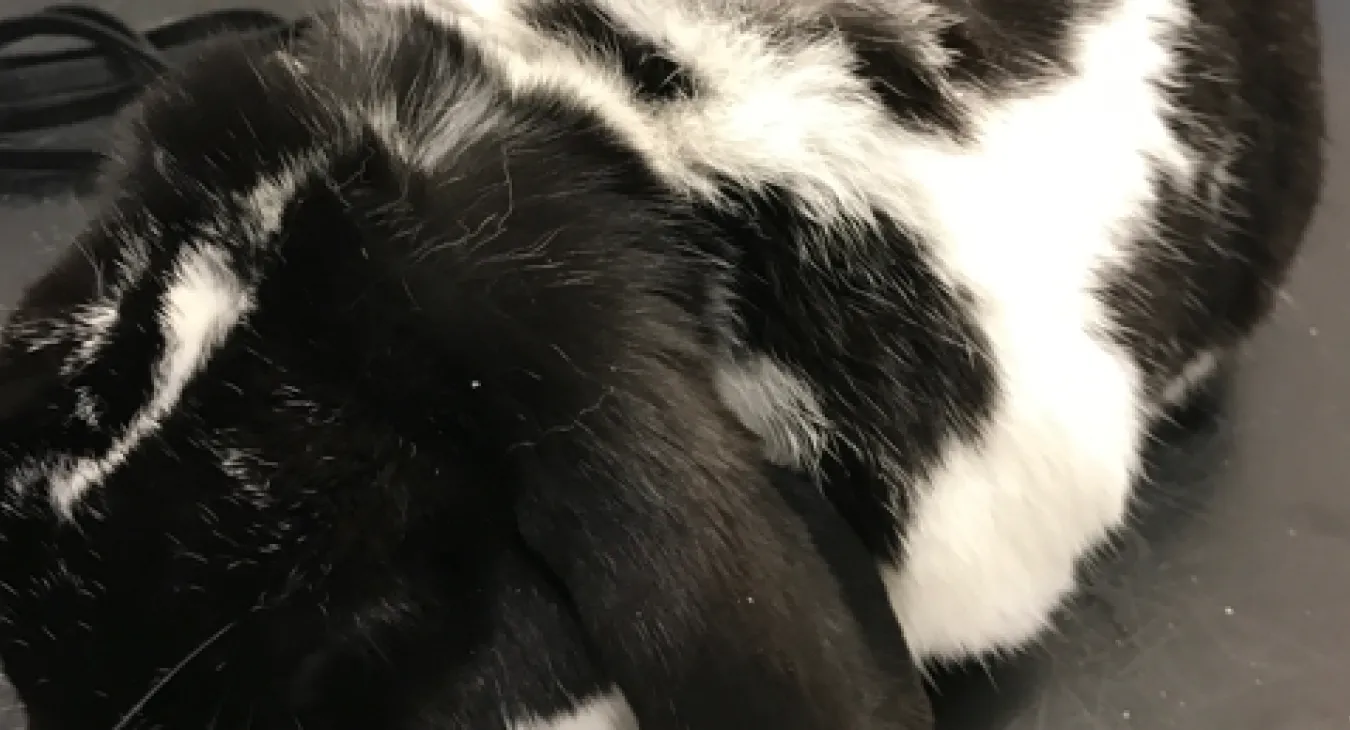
(308, 430)
(947, 261)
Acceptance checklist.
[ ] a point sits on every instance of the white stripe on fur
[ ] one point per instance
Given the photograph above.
(202, 304)
(204, 300)
(607, 712)
(1030, 218)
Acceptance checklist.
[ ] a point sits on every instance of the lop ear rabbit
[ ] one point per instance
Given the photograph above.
(950, 259)
(353, 410)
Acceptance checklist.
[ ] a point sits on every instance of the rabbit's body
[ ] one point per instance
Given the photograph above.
(477, 318)
(976, 247)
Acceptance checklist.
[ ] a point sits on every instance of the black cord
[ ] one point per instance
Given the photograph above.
(41, 92)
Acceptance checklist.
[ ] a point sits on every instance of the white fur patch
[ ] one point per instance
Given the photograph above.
(609, 712)
(794, 114)
(204, 299)
(797, 117)
(85, 327)
(1029, 217)
(201, 305)
(96, 321)
(777, 406)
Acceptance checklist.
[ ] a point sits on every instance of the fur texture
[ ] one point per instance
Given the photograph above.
(423, 373)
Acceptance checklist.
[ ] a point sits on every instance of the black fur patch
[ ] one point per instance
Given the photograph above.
(911, 91)
(994, 45)
(654, 76)
(1227, 244)
(881, 333)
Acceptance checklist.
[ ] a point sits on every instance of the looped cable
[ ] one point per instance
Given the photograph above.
(100, 28)
(45, 91)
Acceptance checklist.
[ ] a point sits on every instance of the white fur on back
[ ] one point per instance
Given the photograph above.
(802, 119)
(1029, 217)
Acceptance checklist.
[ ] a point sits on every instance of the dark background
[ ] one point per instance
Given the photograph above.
(1227, 608)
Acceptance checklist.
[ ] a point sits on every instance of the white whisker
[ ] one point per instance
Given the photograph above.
(163, 681)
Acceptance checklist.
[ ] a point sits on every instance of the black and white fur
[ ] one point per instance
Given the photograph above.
(418, 375)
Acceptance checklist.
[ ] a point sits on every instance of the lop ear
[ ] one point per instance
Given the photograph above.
(864, 596)
(702, 589)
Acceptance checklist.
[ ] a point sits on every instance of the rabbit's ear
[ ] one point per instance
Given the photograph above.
(700, 588)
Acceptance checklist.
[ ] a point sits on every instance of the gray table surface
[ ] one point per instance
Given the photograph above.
(1228, 608)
